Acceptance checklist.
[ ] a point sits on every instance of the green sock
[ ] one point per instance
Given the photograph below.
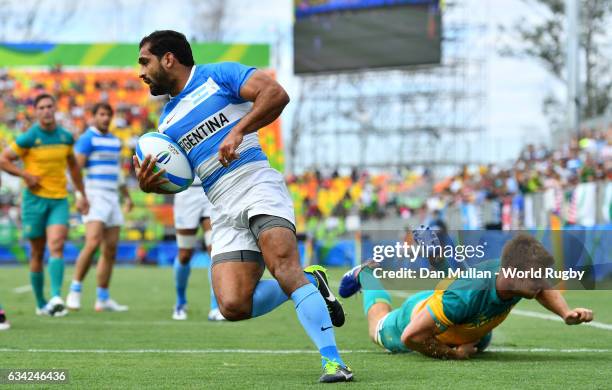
(56, 271)
(37, 279)
(372, 289)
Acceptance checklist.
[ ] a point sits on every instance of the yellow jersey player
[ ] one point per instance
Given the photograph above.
(456, 320)
(46, 152)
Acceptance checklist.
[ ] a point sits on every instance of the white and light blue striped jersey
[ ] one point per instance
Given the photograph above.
(103, 153)
(200, 117)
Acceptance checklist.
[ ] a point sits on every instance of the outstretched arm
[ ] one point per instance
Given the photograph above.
(554, 301)
(420, 334)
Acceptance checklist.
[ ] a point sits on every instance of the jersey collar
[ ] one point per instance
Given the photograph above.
(193, 68)
(95, 130)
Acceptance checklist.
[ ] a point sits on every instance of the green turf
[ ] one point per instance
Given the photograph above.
(150, 295)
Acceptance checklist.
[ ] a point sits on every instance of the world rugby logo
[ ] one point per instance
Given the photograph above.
(163, 157)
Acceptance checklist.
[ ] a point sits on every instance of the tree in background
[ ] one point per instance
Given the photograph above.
(34, 20)
(209, 19)
(545, 42)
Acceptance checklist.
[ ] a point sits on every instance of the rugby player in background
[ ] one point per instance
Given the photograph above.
(46, 152)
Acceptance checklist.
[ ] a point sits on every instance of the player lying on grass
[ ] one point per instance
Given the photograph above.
(456, 320)
(214, 113)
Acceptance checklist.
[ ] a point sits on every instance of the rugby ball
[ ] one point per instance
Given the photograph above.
(170, 157)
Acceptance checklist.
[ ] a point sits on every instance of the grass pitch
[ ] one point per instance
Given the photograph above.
(144, 348)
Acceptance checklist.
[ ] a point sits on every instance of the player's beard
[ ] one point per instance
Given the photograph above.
(47, 121)
(160, 84)
(103, 127)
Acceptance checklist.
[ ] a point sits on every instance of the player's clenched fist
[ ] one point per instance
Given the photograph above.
(228, 149)
(578, 316)
(465, 351)
(147, 180)
(82, 205)
(31, 181)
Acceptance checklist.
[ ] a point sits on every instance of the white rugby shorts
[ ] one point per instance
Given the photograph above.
(252, 192)
(190, 207)
(104, 206)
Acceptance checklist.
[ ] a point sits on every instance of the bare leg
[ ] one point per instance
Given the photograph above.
(279, 248)
(107, 257)
(234, 283)
(56, 236)
(375, 313)
(37, 252)
(94, 233)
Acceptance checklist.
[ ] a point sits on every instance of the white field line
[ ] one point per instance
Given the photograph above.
(22, 289)
(69, 321)
(273, 352)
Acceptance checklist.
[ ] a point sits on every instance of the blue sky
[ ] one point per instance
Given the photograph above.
(514, 88)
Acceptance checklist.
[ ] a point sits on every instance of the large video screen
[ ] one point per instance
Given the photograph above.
(343, 35)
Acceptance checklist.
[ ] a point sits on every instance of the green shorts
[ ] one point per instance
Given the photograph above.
(390, 328)
(37, 213)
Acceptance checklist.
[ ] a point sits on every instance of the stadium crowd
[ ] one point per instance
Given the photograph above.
(317, 195)
(585, 158)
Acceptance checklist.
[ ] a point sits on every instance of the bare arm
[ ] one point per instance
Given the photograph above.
(127, 199)
(81, 160)
(269, 99)
(554, 301)
(420, 334)
(75, 164)
(7, 164)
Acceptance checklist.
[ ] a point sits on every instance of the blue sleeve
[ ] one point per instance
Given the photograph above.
(83, 145)
(232, 76)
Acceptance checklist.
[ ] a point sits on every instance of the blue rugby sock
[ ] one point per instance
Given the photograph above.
(314, 317)
(102, 293)
(269, 295)
(76, 286)
(181, 277)
(310, 278)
